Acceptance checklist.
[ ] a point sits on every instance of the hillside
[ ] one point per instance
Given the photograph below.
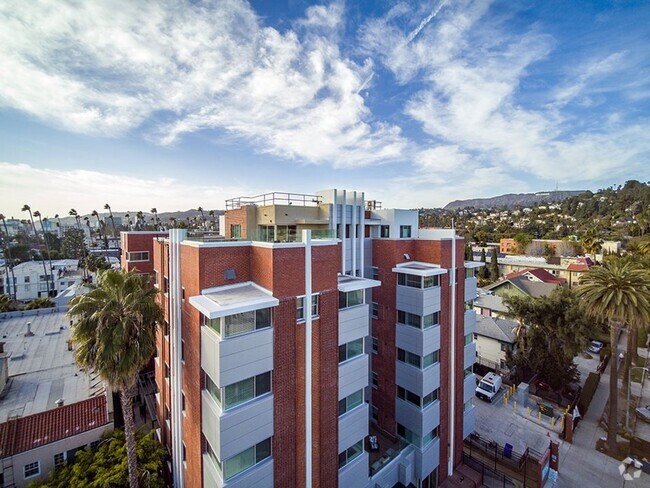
(512, 200)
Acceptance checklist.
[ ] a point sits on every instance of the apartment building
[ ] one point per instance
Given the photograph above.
(31, 282)
(324, 342)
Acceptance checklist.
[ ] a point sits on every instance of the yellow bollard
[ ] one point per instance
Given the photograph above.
(539, 416)
(515, 405)
(552, 422)
(562, 423)
(529, 411)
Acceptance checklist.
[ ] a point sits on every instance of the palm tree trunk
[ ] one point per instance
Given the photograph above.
(612, 418)
(126, 397)
(631, 350)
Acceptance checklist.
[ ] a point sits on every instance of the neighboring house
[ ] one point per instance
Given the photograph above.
(493, 338)
(559, 267)
(48, 408)
(30, 282)
(526, 283)
(489, 304)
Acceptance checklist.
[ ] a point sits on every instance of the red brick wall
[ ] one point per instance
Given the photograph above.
(138, 241)
(237, 216)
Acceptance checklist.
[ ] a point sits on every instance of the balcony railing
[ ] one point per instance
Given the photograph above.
(274, 198)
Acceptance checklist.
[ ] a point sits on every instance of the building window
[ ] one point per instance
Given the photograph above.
(470, 273)
(240, 323)
(247, 459)
(235, 231)
(468, 339)
(430, 437)
(405, 231)
(165, 284)
(417, 281)
(350, 453)
(246, 390)
(350, 298)
(182, 350)
(166, 371)
(214, 324)
(26, 279)
(505, 347)
(415, 360)
(384, 231)
(467, 372)
(374, 413)
(420, 402)
(350, 402)
(375, 273)
(184, 452)
(408, 435)
(137, 256)
(183, 401)
(59, 460)
(32, 469)
(213, 389)
(375, 380)
(374, 310)
(350, 350)
(347, 231)
(418, 321)
(300, 305)
(375, 345)
(469, 305)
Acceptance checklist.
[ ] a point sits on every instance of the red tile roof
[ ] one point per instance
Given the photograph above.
(540, 274)
(578, 267)
(25, 433)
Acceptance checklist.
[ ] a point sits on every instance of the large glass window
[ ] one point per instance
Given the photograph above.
(214, 324)
(137, 256)
(384, 231)
(420, 402)
(468, 339)
(350, 402)
(431, 281)
(470, 272)
(404, 231)
(415, 360)
(240, 323)
(240, 392)
(246, 459)
(235, 231)
(300, 305)
(418, 321)
(350, 350)
(350, 298)
(418, 281)
(408, 435)
(350, 453)
(427, 439)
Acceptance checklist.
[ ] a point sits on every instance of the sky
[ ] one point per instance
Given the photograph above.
(179, 104)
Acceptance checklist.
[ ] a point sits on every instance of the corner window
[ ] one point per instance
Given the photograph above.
(470, 272)
(242, 391)
(350, 453)
(468, 339)
(414, 281)
(350, 298)
(384, 231)
(245, 459)
(350, 350)
(418, 321)
(32, 469)
(404, 231)
(350, 402)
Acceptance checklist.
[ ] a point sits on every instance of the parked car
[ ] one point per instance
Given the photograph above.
(596, 347)
(643, 413)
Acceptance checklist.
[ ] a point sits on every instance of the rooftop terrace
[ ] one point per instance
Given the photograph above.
(274, 198)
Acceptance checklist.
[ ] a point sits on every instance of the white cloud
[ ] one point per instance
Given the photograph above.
(56, 191)
(105, 68)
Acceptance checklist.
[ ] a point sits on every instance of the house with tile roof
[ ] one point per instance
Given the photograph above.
(494, 337)
(530, 282)
(49, 408)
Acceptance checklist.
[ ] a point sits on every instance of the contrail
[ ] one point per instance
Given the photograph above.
(365, 83)
(424, 22)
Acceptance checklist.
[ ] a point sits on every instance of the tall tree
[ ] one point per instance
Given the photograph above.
(72, 244)
(110, 214)
(8, 256)
(494, 264)
(523, 240)
(99, 228)
(47, 244)
(58, 225)
(200, 209)
(591, 241)
(115, 334)
(618, 292)
(154, 211)
(26, 208)
(483, 271)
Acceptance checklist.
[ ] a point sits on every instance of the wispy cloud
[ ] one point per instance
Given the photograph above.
(107, 67)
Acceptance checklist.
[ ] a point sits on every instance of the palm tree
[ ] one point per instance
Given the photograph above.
(27, 208)
(140, 217)
(618, 292)
(76, 216)
(47, 245)
(154, 211)
(200, 209)
(591, 241)
(115, 336)
(110, 214)
(211, 214)
(99, 229)
(8, 251)
(58, 223)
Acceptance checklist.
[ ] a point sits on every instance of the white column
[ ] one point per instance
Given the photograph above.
(176, 236)
(452, 366)
(362, 237)
(306, 238)
(344, 205)
(353, 234)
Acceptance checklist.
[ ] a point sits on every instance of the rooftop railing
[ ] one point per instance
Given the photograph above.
(274, 198)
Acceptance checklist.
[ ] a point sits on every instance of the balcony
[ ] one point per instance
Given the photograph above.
(469, 355)
(234, 359)
(354, 323)
(470, 289)
(353, 425)
(470, 322)
(353, 375)
(419, 381)
(234, 430)
(418, 421)
(469, 387)
(418, 341)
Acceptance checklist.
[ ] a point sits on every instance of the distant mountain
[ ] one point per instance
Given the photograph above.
(512, 200)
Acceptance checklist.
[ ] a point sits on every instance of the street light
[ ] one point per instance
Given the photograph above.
(629, 387)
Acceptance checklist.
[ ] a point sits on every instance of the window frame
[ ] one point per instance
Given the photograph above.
(141, 260)
(31, 466)
(300, 306)
(405, 229)
(346, 350)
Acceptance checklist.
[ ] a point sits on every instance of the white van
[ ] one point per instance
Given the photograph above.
(488, 387)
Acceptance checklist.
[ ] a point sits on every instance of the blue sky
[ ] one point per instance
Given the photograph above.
(178, 104)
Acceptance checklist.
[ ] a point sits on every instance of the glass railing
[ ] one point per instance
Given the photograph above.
(290, 235)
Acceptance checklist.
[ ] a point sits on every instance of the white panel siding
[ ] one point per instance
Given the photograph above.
(470, 289)
(416, 420)
(353, 375)
(259, 476)
(469, 387)
(420, 301)
(237, 358)
(470, 321)
(355, 474)
(421, 382)
(211, 478)
(354, 323)
(469, 420)
(427, 459)
(417, 341)
(469, 355)
(235, 430)
(353, 425)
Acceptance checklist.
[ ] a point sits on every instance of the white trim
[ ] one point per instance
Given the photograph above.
(306, 237)
(343, 235)
(225, 243)
(432, 269)
(357, 284)
(474, 264)
(362, 237)
(213, 310)
(216, 289)
(452, 368)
